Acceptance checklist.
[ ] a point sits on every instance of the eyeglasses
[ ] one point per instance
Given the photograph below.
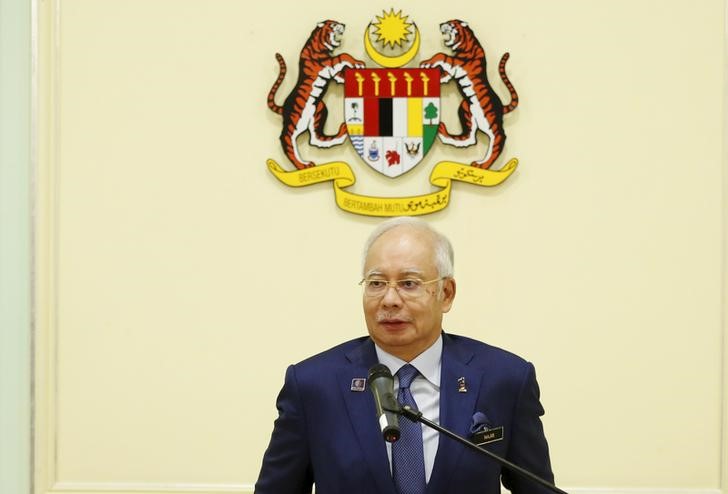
(407, 288)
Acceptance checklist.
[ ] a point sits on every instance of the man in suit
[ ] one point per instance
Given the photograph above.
(327, 433)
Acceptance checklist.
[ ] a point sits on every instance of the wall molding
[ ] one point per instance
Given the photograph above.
(163, 488)
(638, 490)
(724, 365)
(151, 488)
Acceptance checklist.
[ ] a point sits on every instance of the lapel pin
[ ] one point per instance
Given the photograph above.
(358, 384)
(462, 388)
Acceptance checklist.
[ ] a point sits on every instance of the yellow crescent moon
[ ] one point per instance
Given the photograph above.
(391, 62)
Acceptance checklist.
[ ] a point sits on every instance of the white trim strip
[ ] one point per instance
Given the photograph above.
(154, 488)
(639, 490)
(148, 487)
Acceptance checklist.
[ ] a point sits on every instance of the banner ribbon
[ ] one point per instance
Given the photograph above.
(342, 176)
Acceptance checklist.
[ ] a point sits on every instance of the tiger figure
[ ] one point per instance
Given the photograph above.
(481, 108)
(304, 108)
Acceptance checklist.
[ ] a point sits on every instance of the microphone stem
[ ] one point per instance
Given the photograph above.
(416, 416)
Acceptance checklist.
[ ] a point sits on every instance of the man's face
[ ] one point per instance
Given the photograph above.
(405, 327)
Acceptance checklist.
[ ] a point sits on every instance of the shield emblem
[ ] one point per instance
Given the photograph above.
(392, 115)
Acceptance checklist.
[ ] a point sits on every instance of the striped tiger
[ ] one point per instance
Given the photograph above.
(481, 108)
(304, 109)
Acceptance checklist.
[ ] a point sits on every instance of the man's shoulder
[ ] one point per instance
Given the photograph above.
(481, 353)
(320, 371)
(336, 354)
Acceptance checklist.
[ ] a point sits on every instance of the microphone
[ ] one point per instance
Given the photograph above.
(381, 384)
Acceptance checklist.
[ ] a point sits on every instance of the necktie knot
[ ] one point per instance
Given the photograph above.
(406, 375)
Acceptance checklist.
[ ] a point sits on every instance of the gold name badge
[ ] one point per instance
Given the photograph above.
(488, 436)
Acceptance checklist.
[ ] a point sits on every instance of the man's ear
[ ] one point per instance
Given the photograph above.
(448, 293)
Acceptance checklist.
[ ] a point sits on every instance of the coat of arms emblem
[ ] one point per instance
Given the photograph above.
(392, 116)
(392, 113)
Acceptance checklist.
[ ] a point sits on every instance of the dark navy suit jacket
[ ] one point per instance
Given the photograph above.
(329, 435)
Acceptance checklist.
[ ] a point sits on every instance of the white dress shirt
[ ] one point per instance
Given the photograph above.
(425, 390)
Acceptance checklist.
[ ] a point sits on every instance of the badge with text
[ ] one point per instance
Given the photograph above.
(392, 113)
(488, 436)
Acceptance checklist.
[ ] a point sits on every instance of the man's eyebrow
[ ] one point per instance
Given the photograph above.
(402, 274)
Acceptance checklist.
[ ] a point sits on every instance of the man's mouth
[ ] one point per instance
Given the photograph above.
(392, 322)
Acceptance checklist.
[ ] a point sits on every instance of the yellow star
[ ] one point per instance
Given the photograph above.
(392, 28)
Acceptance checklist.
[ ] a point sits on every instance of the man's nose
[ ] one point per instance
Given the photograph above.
(391, 296)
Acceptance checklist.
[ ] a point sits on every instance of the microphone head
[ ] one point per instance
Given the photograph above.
(379, 370)
(391, 433)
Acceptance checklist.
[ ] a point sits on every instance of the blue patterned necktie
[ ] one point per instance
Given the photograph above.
(408, 457)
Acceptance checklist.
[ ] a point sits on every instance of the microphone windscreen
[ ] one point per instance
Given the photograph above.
(379, 370)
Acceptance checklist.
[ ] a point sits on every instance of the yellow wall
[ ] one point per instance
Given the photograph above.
(176, 278)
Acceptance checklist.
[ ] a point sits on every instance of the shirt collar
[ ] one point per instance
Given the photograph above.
(427, 362)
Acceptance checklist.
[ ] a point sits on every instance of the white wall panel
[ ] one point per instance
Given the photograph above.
(177, 278)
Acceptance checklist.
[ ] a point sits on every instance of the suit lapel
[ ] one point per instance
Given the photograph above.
(456, 411)
(360, 407)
